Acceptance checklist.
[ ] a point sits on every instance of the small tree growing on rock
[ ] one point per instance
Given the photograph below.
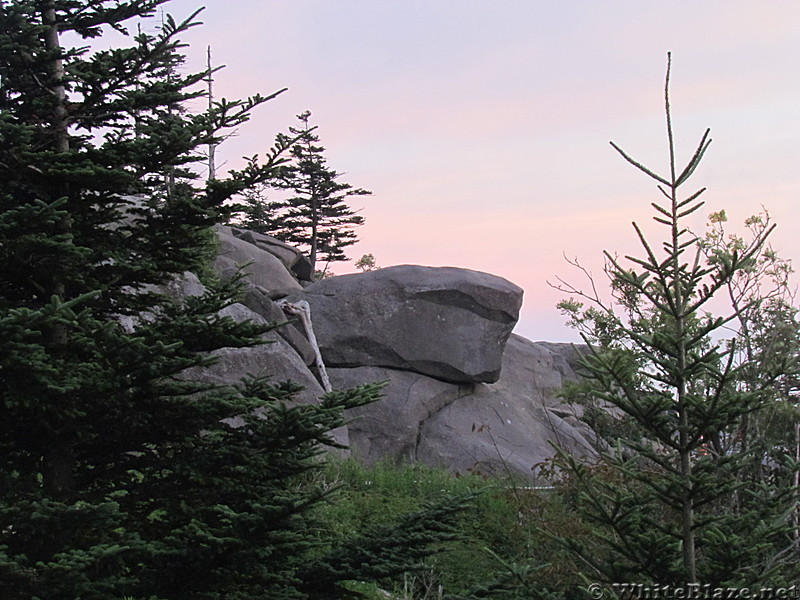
(366, 263)
(672, 502)
(314, 215)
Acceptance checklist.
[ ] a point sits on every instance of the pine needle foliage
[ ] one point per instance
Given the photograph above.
(119, 475)
(672, 500)
(314, 214)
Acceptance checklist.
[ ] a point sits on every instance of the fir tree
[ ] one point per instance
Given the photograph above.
(315, 215)
(119, 476)
(673, 500)
(256, 212)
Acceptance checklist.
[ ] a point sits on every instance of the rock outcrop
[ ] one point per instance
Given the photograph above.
(295, 261)
(508, 426)
(264, 270)
(461, 391)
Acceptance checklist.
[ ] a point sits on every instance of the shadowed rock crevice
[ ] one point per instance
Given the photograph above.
(462, 391)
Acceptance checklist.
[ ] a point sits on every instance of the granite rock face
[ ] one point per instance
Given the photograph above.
(275, 358)
(259, 302)
(512, 425)
(390, 428)
(262, 269)
(295, 261)
(448, 323)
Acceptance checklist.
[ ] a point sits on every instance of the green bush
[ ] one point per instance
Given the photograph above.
(501, 548)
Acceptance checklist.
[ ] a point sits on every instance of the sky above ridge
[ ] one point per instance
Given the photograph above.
(482, 128)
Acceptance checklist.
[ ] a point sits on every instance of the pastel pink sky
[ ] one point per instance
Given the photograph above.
(482, 128)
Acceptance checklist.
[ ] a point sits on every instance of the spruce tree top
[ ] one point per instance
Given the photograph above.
(98, 142)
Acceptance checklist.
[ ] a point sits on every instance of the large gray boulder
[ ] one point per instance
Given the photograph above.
(263, 269)
(389, 429)
(448, 323)
(511, 426)
(462, 391)
(259, 302)
(295, 261)
(274, 358)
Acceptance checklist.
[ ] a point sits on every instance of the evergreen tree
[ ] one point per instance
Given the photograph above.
(119, 476)
(674, 499)
(315, 215)
(256, 212)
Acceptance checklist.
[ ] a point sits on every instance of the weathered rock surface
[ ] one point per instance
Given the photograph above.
(295, 261)
(257, 300)
(187, 285)
(565, 358)
(390, 428)
(275, 358)
(448, 323)
(498, 428)
(263, 268)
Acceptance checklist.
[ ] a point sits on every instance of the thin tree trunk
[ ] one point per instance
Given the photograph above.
(57, 73)
(212, 148)
(679, 308)
(314, 234)
(58, 456)
(687, 510)
(315, 192)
